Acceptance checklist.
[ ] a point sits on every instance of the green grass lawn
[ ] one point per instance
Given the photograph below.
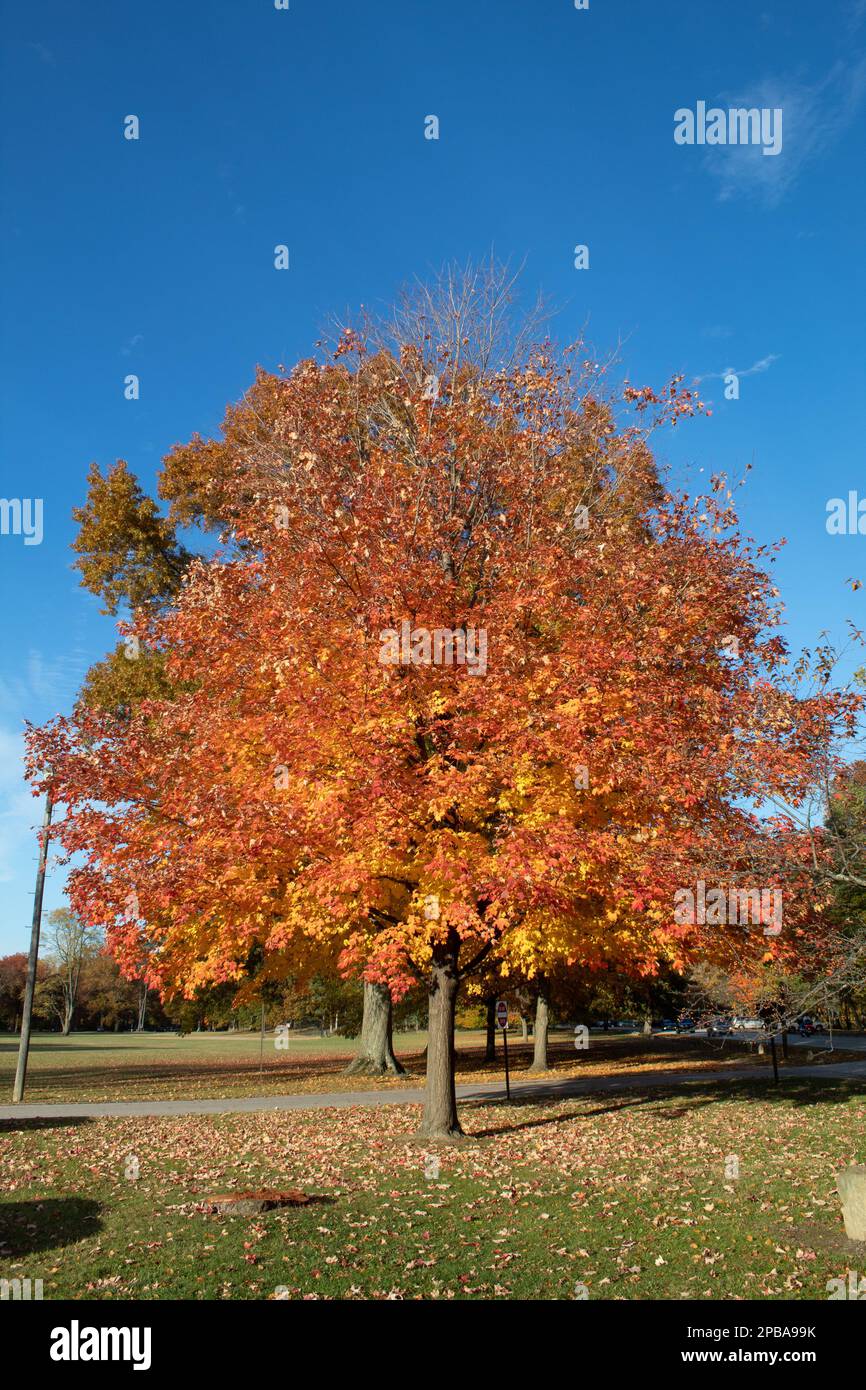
(629, 1195)
(165, 1066)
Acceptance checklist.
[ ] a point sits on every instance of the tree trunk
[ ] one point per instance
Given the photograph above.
(542, 1021)
(376, 1054)
(490, 1047)
(142, 1007)
(440, 1101)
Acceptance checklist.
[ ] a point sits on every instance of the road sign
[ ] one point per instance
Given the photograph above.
(501, 1014)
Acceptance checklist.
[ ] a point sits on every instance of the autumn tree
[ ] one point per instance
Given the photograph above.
(469, 683)
(105, 999)
(129, 555)
(13, 977)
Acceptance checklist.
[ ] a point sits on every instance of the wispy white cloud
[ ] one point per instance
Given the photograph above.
(19, 811)
(813, 118)
(45, 54)
(856, 16)
(44, 685)
(763, 365)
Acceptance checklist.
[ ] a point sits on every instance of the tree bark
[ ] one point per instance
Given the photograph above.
(440, 1100)
(524, 1028)
(490, 1046)
(376, 1053)
(542, 1022)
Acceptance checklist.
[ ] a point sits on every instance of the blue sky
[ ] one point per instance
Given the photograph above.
(306, 127)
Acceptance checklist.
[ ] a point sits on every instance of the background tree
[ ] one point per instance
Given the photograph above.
(13, 977)
(105, 999)
(49, 1000)
(71, 942)
(128, 555)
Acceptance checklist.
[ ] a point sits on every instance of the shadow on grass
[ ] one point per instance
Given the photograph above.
(27, 1227)
(144, 1077)
(673, 1101)
(15, 1126)
(79, 1047)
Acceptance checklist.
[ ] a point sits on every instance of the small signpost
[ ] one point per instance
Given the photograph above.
(775, 1059)
(502, 1022)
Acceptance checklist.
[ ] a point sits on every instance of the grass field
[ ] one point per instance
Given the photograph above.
(630, 1196)
(165, 1066)
(626, 1195)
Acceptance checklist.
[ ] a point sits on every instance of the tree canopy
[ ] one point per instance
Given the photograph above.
(339, 776)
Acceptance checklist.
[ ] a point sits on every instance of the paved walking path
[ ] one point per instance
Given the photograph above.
(403, 1095)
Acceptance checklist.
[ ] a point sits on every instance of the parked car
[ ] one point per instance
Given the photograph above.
(807, 1026)
(686, 1023)
(752, 1023)
(719, 1026)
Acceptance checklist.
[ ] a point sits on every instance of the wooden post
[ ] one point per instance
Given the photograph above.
(507, 1077)
(27, 1012)
(775, 1059)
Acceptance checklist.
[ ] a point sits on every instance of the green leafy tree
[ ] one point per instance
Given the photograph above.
(70, 943)
(127, 553)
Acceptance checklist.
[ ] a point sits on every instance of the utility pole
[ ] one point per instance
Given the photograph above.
(27, 1012)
